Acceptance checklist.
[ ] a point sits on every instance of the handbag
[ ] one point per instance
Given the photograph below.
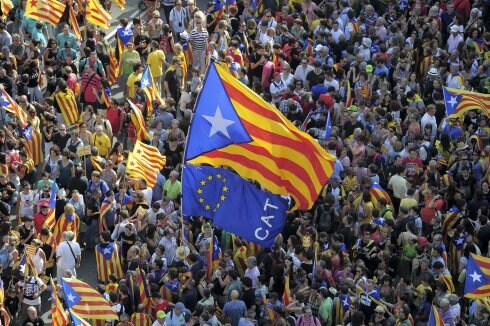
(75, 257)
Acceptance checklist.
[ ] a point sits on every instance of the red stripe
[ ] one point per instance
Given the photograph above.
(254, 165)
(303, 145)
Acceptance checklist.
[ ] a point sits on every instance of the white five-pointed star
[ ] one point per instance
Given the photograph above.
(107, 251)
(402, 6)
(71, 297)
(145, 83)
(459, 241)
(218, 123)
(475, 276)
(126, 32)
(345, 302)
(28, 133)
(452, 101)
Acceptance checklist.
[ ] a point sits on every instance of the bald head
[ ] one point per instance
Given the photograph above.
(234, 295)
(444, 304)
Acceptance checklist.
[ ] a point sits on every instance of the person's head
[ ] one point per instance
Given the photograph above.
(32, 313)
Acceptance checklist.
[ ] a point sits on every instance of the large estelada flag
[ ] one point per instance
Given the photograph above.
(85, 301)
(477, 283)
(113, 67)
(145, 162)
(108, 261)
(96, 14)
(68, 105)
(435, 318)
(235, 127)
(49, 11)
(459, 101)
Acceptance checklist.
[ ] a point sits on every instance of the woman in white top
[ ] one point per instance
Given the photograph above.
(39, 258)
(27, 204)
(286, 76)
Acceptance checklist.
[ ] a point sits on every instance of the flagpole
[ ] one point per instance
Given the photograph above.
(185, 147)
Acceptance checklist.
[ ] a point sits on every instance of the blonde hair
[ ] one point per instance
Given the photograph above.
(69, 209)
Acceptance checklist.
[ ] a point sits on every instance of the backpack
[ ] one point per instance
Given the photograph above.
(429, 150)
(409, 251)
(325, 220)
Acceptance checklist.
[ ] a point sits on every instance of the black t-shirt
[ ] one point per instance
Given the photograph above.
(314, 79)
(248, 296)
(173, 82)
(12, 304)
(22, 89)
(33, 79)
(254, 58)
(173, 157)
(78, 183)
(6, 194)
(7, 84)
(60, 140)
(483, 237)
(94, 206)
(126, 242)
(25, 232)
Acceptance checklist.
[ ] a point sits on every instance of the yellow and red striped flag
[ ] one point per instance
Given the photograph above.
(150, 156)
(286, 296)
(68, 106)
(108, 262)
(49, 11)
(150, 89)
(85, 301)
(33, 147)
(113, 67)
(30, 250)
(72, 19)
(120, 3)
(96, 14)
(235, 127)
(137, 169)
(139, 122)
(144, 290)
(459, 101)
(58, 314)
(11, 106)
(104, 209)
(6, 7)
(51, 218)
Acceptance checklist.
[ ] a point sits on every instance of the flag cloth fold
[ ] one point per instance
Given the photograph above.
(145, 162)
(214, 255)
(234, 126)
(144, 290)
(6, 6)
(50, 221)
(108, 262)
(328, 127)
(139, 122)
(34, 147)
(150, 90)
(85, 301)
(49, 11)
(11, 106)
(113, 67)
(58, 314)
(459, 101)
(477, 283)
(233, 204)
(96, 14)
(104, 209)
(120, 3)
(72, 19)
(434, 318)
(67, 103)
(77, 320)
(377, 192)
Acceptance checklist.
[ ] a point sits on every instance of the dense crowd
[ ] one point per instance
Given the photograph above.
(377, 69)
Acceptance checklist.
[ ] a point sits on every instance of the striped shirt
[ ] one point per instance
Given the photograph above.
(199, 40)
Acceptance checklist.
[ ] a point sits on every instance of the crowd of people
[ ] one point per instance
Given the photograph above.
(377, 69)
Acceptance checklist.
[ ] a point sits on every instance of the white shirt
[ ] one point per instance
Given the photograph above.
(253, 274)
(336, 35)
(148, 193)
(65, 259)
(333, 83)
(276, 88)
(427, 119)
(177, 19)
(301, 72)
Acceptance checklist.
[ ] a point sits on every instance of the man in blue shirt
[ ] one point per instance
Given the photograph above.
(235, 309)
(66, 36)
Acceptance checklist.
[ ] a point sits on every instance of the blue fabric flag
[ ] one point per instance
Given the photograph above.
(328, 127)
(125, 35)
(451, 101)
(71, 296)
(475, 277)
(233, 204)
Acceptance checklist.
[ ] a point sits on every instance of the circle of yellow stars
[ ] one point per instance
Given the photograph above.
(202, 186)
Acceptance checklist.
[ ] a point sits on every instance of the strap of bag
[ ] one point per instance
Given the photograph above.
(69, 246)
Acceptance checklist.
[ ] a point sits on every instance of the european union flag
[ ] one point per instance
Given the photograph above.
(217, 121)
(125, 35)
(233, 204)
(451, 101)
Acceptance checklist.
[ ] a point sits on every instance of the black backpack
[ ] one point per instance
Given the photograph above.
(325, 219)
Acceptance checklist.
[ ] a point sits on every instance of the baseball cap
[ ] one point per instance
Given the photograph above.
(161, 314)
(369, 68)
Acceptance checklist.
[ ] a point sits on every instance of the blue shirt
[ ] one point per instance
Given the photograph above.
(62, 38)
(235, 310)
(28, 25)
(379, 70)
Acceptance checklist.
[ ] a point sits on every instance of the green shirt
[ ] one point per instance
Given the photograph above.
(128, 67)
(172, 190)
(325, 311)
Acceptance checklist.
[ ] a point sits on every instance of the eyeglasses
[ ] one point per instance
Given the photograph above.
(198, 23)
(268, 16)
(379, 313)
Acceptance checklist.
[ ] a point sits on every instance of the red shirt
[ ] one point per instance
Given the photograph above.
(412, 167)
(39, 220)
(115, 116)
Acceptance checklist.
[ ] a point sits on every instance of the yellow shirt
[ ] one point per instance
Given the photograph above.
(155, 61)
(408, 203)
(102, 142)
(130, 83)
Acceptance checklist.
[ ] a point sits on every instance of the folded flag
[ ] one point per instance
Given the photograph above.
(150, 90)
(477, 283)
(96, 14)
(113, 67)
(235, 127)
(377, 192)
(85, 301)
(68, 105)
(6, 6)
(58, 314)
(139, 122)
(434, 318)
(50, 221)
(120, 3)
(72, 19)
(34, 148)
(328, 127)
(214, 254)
(77, 320)
(233, 204)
